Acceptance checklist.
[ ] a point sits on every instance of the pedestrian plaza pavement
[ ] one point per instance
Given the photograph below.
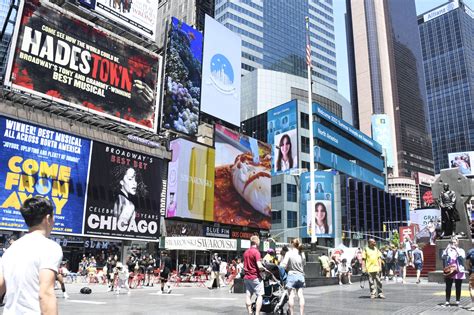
(410, 298)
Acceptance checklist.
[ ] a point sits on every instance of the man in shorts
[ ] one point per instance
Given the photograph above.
(418, 260)
(253, 282)
(29, 267)
(165, 271)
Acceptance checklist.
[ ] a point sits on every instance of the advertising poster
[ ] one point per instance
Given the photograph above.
(283, 136)
(190, 181)
(124, 193)
(407, 231)
(221, 72)
(181, 228)
(382, 133)
(322, 216)
(242, 194)
(424, 221)
(71, 61)
(183, 73)
(138, 15)
(38, 161)
(462, 160)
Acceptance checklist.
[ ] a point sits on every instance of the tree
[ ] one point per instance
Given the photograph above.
(395, 238)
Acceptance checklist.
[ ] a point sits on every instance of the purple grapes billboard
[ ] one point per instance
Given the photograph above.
(182, 99)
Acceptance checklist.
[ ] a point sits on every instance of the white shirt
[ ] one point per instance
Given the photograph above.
(20, 267)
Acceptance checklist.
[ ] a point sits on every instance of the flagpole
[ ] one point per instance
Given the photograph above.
(310, 210)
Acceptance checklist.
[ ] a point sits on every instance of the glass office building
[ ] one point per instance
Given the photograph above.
(273, 35)
(448, 59)
(387, 82)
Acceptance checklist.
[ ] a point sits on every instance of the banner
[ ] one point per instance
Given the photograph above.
(138, 15)
(124, 193)
(282, 135)
(322, 217)
(181, 228)
(200, 243)
(242, 193)
(462, 160)
(424, 221)
(71, 61)
(191, 181)
(183, 72)
(221, 72)
(382, 133)
(41, 161)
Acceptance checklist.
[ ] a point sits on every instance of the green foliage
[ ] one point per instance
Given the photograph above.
(395, 239)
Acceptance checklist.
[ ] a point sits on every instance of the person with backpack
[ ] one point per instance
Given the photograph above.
(390, 261)
(402, 261)
(454, 256)
(418, 260)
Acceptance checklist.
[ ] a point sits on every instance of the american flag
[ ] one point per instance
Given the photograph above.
(308, 49)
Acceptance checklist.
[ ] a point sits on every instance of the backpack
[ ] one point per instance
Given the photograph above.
(390, 256)
(86, 290)
(402, 256)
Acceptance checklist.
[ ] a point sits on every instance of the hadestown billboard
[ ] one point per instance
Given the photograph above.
(71, 61)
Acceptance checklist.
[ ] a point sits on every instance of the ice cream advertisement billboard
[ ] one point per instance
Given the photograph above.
(242, 194)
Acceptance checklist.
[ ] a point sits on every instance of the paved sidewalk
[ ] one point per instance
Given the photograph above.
(410, 298)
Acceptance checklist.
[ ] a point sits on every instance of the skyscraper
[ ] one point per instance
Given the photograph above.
(387, 83)
(448, 60)
(273, 35)
(192, 12)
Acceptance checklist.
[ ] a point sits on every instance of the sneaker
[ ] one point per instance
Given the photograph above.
(446, 304)
(381, 296)
(160, 292)
(372, 296)
(109, 289)
(457, 303)
(169, 291)
(129, 292)
(65, 295)
(340, 283)
(350, 282)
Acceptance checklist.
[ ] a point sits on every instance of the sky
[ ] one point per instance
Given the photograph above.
(422, 6)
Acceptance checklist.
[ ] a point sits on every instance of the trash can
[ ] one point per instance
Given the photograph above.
(239, 286)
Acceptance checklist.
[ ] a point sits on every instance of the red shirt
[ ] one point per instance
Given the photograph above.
(251, 256)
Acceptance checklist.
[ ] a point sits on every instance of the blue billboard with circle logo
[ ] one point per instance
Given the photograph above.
(45, 162)
(220, 96)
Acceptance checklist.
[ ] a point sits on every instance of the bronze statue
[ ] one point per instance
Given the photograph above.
(449, 214)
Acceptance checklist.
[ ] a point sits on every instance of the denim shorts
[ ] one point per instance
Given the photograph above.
(254, 286)
(418, 265)
(295, 281)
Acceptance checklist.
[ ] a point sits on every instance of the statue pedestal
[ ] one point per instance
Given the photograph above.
(437, 276)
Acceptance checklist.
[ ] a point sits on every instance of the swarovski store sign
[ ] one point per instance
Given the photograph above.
(200, 243)
(215, 231)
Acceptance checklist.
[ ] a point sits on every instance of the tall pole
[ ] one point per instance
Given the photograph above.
(310, 211)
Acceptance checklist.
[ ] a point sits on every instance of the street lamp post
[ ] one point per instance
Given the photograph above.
(310, 210)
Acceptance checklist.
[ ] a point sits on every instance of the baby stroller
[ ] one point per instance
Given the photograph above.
(275, 298)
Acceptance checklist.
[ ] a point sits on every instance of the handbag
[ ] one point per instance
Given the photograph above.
(450, 270)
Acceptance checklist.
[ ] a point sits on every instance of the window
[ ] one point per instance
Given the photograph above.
(305, 165)
(304, 120)
(292, 220)
(276, 190)
(291, 192)
(305, 144)
(276, 217)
